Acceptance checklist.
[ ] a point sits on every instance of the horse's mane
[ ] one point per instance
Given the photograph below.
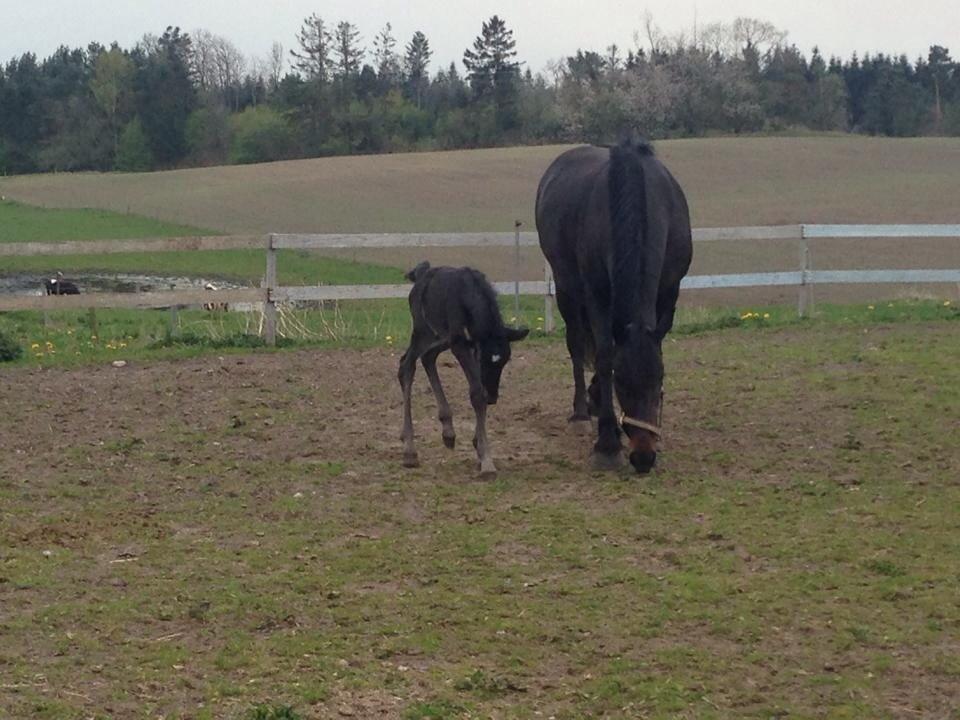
(486, 317)
(628, 221)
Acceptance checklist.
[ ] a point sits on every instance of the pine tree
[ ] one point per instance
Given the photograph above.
(315, 41)
(493, 72)
(385, 59)
(347, 51)
(416, 65)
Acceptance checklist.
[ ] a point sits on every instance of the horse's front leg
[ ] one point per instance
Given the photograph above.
(429, 361)
(478, 398)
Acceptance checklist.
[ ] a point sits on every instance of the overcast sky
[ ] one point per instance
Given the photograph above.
(543, 30)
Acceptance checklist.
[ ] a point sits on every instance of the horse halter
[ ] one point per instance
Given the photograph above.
(654, 430)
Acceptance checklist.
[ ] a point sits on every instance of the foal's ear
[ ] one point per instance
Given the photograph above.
(514, 334)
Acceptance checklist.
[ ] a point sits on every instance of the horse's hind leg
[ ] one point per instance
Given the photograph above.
(478, 398)
(408, 368)
(429, 361)
(573, 318)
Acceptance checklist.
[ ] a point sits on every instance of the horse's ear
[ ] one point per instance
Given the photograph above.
(514, 334)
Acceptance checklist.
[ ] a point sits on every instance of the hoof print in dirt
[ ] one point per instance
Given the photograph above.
(606, 463)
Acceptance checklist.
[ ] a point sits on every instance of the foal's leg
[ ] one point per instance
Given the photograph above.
(573, 319)
(408, 368)
(429, 361)
(478, 398)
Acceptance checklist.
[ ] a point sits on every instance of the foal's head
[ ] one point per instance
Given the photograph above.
(638, 381)
(494, 355)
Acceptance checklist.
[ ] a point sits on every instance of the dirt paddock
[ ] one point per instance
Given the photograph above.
(190, 539)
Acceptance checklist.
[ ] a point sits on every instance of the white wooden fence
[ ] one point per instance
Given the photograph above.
(272, 293)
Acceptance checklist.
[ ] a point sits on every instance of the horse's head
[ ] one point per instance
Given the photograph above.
(494, 356)
(638, 381)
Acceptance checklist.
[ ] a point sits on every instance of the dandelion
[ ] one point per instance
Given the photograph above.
(870, 307)
(766, 316)
(746, 316)
(539, 319)
(35, 346)
(946, 303)
(389, 338)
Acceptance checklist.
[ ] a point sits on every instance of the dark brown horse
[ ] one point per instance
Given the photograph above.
(615, 227)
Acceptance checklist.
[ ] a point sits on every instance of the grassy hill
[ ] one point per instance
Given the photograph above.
(729, 181)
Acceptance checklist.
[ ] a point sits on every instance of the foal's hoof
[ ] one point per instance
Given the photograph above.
(605, 463)
(450, 441)
(410, 460)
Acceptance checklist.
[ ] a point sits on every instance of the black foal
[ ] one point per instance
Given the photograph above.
(455, 309)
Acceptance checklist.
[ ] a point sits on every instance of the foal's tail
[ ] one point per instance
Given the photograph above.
(418, 271)
(628, 220)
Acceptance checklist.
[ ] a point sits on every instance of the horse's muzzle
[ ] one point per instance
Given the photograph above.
(643, 461)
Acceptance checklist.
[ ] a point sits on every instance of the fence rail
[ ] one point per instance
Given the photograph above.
(272, 292)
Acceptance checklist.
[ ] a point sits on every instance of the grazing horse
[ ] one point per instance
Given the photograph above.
(455, 309)
(615, 227)
(59, 286)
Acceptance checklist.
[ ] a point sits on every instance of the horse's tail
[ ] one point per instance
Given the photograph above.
(628, 220)
(418, 271)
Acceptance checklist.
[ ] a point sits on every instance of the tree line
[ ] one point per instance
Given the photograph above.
(182, 99)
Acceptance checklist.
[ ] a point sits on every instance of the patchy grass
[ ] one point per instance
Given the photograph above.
(79, 338)
(202, 538)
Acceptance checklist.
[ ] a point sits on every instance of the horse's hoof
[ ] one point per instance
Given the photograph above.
(605, 463)
(410, 460)
(450, 441)
(488, 472)
(578, 417)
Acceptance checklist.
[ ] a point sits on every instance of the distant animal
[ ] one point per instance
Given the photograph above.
(615, 227)
(455, 309)
(58, 286)
(213, 306)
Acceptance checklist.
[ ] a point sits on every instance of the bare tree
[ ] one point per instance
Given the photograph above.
(275, 63)
(755, 35)
(218, 66)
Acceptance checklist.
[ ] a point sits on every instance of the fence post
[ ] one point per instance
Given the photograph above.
(270, 291)
(805, 297)
(516, 271)
(174, 320)
(548, 298)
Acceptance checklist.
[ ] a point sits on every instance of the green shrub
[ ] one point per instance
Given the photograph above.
(133, 153)
(9, 348)
(277, 712)
(260, 134)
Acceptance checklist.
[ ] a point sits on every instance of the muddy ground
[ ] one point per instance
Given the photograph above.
(191, 539)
